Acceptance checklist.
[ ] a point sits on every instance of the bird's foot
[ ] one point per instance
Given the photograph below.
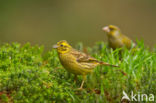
(80, 88)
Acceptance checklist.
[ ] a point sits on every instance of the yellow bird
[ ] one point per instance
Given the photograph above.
(75, 61)
(116, 39)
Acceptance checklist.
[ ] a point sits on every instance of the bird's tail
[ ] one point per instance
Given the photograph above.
(107, 64)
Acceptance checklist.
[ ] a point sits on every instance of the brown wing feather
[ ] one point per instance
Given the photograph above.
(82, 57)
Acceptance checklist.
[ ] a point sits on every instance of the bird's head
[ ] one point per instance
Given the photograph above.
(111, 30)
(62, 47)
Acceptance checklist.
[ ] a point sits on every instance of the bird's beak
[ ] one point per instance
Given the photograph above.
(55, 46)
(106, 29)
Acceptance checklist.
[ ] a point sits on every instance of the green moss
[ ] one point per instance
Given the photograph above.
(28, 75)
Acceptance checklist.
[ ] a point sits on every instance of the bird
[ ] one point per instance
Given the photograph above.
(75, 61)
(116, 39)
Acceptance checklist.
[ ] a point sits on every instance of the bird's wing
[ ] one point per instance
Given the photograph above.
(87, 60)
(82, 57)
(127, 41)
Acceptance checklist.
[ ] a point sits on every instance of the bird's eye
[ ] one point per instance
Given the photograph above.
(61, 45)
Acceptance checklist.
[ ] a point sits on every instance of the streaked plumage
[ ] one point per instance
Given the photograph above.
(75, 61)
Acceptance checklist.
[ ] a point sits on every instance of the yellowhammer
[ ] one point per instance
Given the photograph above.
(76, 62)
(116, 39)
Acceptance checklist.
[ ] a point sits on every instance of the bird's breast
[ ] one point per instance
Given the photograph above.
(115, 42)
(70, 63)
(67, 60)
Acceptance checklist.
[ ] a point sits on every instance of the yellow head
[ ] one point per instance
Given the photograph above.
(111, 30)
(62, 47)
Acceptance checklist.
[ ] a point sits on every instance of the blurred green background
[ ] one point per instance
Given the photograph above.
(48, 21)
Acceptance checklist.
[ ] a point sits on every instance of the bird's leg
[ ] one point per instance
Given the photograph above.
(84, 78)
(81, 87)
(75, 79)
